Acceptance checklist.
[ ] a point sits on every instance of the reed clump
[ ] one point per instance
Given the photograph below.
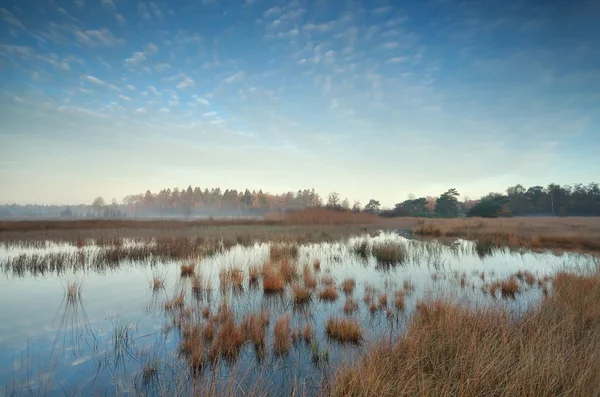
(390, 252)
(282, 337)
(328, 294)
(187, 270)
(344, 330)
(301, 294)
(348, 286)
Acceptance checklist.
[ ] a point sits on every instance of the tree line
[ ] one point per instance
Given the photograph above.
(576, 200)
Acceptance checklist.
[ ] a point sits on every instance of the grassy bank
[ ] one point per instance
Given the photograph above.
(452, 350)
(575, 233)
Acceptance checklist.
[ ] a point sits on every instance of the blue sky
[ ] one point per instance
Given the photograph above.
(372, 99)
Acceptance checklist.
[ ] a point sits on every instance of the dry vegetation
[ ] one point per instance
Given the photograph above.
(328, 294)
(344, 330)
(537, 233)
(451, 349)
(323, 216)
(348, 286)
(283, 339)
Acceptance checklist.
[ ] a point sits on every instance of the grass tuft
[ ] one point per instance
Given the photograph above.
(344, 330)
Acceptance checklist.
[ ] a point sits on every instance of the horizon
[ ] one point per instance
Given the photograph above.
(367, 99)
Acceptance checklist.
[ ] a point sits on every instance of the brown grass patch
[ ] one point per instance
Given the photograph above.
(282, 330)
(455, 350)
(279, 252)
(310, 280)
(187, 270)
(328, 294)
(350, 306)
(348, 286)
(273, 281)
(301, 294)
(328, 281)
(233, 277)
(343, 330)
(317, 265)
(399, 300)
(383, 300)
(574, 233)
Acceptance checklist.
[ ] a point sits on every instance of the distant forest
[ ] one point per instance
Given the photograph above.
(553, 200)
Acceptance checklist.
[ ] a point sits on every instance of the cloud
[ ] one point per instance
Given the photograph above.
(153, 90)
(233, 78)
(203, 101)
(124, 97)
(250, 2)
(157, 12)
(80, 3)
(97, 81)
(290, 34)
(295, 14)
(108, 4)
(152, 48)
(390, 45)
(10, 18)
(102, 37)
(382, 10)
(161, 67)
(186, 83)
(323, 27)
(135, 59)
(29, 53)
(210, 114)
(397, 60)
(131, 87)
(273, 11)
(143, 11)
(121, 19)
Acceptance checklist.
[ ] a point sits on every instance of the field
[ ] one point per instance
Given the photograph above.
(315, 303)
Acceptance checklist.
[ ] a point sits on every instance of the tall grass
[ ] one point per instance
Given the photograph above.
(453, 349)
(390, 252)
(344, 330)
(282, 339)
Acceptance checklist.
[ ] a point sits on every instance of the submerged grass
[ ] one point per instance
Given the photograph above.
(389, 252)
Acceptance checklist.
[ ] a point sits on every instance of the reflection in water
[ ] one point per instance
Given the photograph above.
(115, 337)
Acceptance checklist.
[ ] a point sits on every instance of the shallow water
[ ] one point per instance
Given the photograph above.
(103, 341)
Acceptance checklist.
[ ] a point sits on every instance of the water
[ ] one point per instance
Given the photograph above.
(118, 339)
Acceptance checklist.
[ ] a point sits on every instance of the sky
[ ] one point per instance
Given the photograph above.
(371, 99)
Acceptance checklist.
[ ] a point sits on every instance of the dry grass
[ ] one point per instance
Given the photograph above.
(323, 216)
(399, 300)
(344, 330)
(232, 277)
(282, 339)
(228, 340)
(390, 252)
(317, 265)
(574, 233)
(530, 279)
(350, 306)
(383, 300)
(455, 350)
(301, 294)
(328, 294)
(177, 302)
(187, 270)
(73, 291)
(310, 280)
(254, 327)
(253, 274)
(273, 281)
(157, 283)
(288, 270)
(279, 252)
(348, 286)
(328, 281)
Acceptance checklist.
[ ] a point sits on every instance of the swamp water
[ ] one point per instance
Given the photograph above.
(115, 337)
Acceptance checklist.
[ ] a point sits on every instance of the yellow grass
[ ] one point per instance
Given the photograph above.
(451, 349)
